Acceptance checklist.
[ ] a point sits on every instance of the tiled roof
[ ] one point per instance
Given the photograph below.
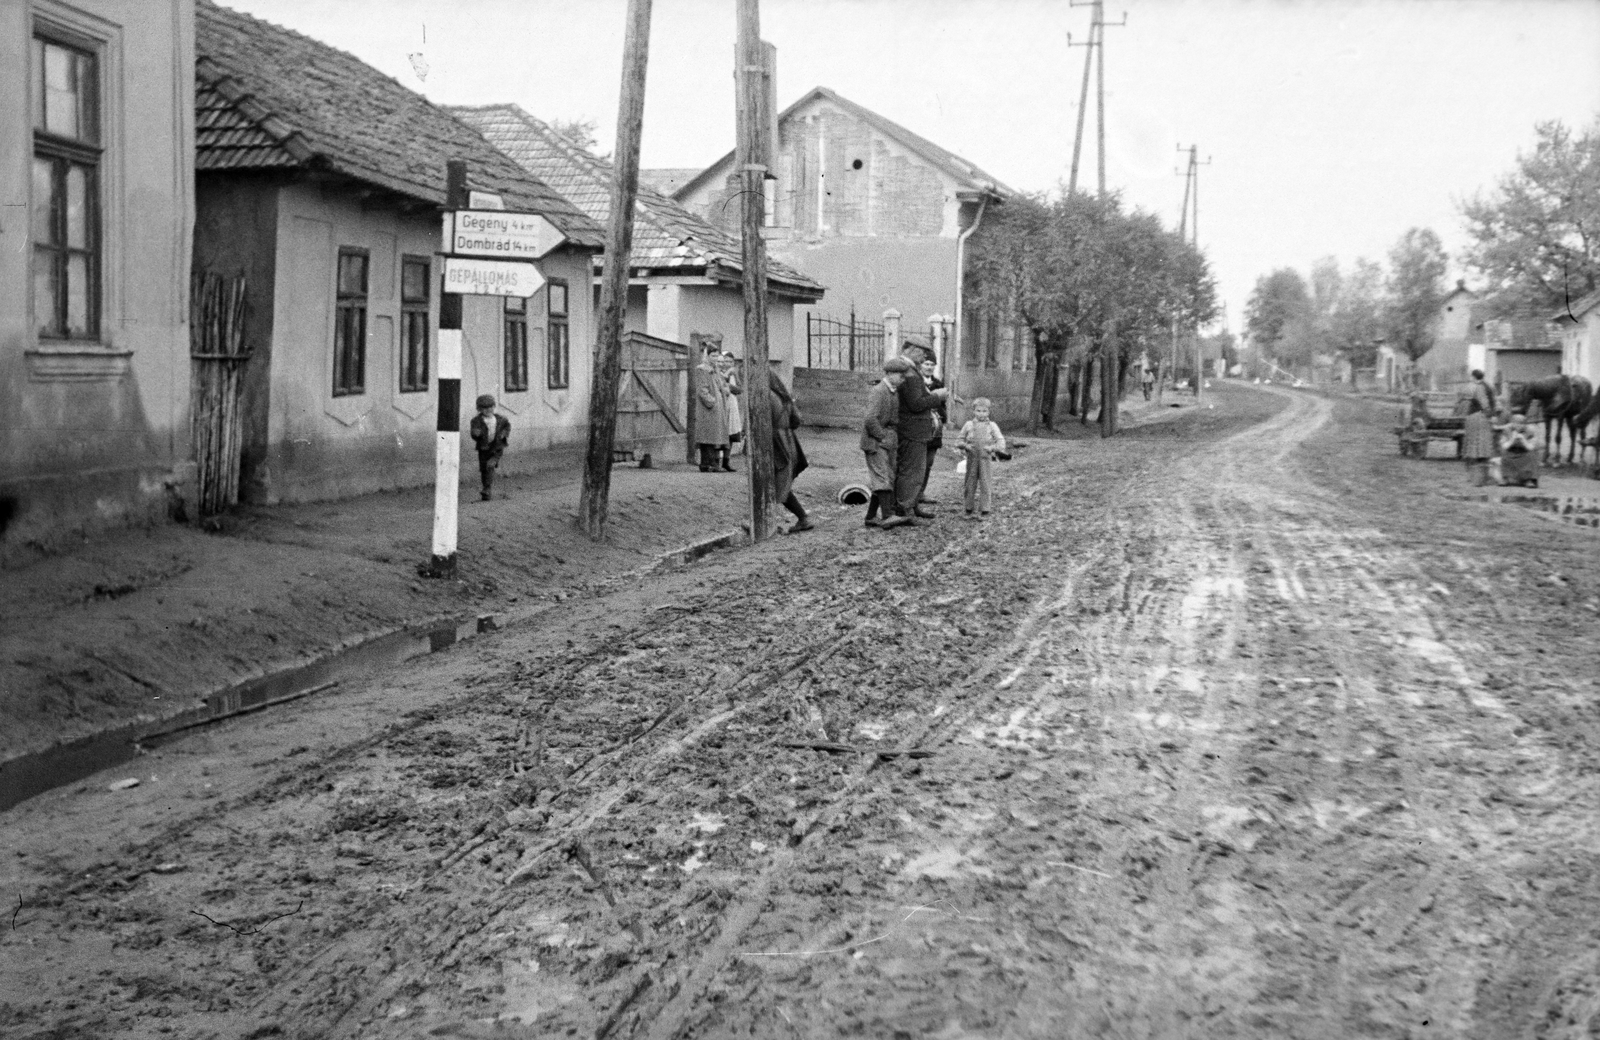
(1578, 308)
(668, 179)
(968, 174)
(267, 97)
(666, 236)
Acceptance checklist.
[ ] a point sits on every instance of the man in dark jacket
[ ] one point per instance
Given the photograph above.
(915, 427)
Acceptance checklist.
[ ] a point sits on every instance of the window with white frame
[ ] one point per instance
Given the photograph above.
(65, 87)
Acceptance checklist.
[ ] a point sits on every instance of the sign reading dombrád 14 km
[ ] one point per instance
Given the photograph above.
(495, 233)
(491, 277)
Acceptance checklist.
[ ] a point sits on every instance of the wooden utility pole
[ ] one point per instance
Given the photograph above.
(614, 287)
(752, 160)
(1083, 98)
(1095, 45)
(1100, 93)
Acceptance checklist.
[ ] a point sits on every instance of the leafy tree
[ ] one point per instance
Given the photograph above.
(581, 132)
(1280, 303)
(1092, 283)
(1358, 317)
(1416, 288)
(1536, 236)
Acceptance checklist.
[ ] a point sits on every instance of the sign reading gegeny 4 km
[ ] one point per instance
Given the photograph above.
(490, 277)
(495, 233)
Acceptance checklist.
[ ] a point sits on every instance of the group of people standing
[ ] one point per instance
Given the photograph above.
(902, 432)
(719, 425)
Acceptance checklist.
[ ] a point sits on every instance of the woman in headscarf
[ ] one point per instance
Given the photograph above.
(788, 458)
(727, 366)
(1477, 442)
(711, 411)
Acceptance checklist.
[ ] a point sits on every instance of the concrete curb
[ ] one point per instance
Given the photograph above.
(694, 551)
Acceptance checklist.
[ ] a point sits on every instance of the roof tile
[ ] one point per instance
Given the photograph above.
(666, 236)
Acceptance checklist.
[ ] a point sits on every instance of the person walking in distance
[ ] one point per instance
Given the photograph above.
(914, 429)
(981, 440)
(879, 442)
(490, 434)
(940, 416)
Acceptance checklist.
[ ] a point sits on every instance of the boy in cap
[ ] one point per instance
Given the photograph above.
(879, 442)
(490, 432)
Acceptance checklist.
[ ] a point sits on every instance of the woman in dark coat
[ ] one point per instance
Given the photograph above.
(788, 458)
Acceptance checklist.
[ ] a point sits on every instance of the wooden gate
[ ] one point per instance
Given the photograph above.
(219, 353)
(652, 395)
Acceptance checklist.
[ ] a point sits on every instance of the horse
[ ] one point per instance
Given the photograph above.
(1582, 421)
(1562, 401)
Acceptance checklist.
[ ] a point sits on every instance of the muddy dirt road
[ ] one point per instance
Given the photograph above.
(1233, 727)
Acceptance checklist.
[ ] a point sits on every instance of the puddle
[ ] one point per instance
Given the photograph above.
(33, 774)
(1578, 510)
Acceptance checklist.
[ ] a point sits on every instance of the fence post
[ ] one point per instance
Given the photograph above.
(891, 333)
(936, 339)
(850, 340)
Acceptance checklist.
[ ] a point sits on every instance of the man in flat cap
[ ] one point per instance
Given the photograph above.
(914, 429)
(879, 442)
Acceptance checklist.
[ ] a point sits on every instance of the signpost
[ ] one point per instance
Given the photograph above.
(490, 277)
(498, 234)
(476, 224)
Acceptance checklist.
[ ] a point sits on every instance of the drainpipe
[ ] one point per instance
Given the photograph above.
(951, 370)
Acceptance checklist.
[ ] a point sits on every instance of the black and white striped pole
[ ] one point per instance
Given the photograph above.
(447, 439)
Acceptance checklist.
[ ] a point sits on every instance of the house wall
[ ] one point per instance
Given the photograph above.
(1580, 347)
(320, 446)
(1519, 366)
(96, 433)
(677, 312)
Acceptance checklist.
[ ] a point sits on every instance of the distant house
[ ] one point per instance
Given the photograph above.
(323, 181)
(684, 275)
(1453, 356)
(1515, 341)
(1578, 329)
(880, 216)
(97, 186)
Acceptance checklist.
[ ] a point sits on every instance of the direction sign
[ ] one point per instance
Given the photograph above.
(490, 277)
(505, 236)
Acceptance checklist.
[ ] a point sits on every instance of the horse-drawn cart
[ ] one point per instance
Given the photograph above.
(1419, 426)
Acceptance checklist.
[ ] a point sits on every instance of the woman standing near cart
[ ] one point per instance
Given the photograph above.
(1477, 442)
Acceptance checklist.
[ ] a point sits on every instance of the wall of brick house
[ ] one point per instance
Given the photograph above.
(838, 176)
(97, 432)
(321, 446)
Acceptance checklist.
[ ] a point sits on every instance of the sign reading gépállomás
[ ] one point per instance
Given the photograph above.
(505, 236)
(490, 277)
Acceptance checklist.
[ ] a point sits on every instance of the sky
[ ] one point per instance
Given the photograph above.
(1330, 126)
